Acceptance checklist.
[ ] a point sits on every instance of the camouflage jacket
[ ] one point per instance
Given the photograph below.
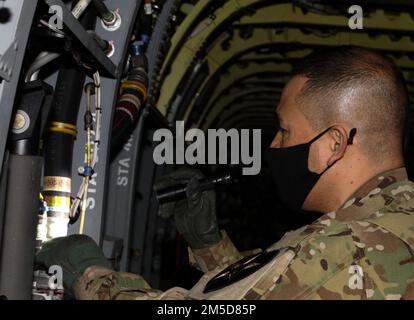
(364, 250)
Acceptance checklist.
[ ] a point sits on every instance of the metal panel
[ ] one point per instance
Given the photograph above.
(122, 194)
(146, 223)
(22, 12)
(127, 167)
(94, 221)
(3, 190)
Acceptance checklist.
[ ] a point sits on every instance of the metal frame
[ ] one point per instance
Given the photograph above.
(106, 66)
(20, 26)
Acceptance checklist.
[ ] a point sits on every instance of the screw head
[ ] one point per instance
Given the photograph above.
(21, 122)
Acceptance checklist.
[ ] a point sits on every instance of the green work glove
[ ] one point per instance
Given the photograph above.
(195, 217)
(74, 254)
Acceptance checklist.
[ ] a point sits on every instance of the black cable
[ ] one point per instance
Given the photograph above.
(103, 44)
(128, 108)
(103, 11)
(61, 131)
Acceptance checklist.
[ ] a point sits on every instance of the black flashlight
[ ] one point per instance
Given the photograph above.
(178, 192)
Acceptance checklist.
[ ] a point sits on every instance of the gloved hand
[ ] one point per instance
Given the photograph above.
(74, 254)
(195, 217)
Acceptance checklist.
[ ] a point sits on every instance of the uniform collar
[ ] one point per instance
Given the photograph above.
(370, 197)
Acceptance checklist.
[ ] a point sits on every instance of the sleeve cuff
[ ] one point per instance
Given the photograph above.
(220, 255)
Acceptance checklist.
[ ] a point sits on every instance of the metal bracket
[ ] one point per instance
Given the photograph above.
(7, 61)
(106, 66)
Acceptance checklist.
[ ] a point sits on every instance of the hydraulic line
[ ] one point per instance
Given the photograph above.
(87, 171)
(42, 59)
(80, 8)
(59, 143)
(111, 20)
(91, 150)
(61, 134)
(105, 45)
(133, 95)
(103, 11)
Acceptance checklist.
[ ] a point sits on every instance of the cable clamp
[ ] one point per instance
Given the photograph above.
(88, 171)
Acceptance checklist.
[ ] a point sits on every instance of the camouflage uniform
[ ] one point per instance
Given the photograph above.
(364, 250)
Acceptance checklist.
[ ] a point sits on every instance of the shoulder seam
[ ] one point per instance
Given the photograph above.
(314, 288)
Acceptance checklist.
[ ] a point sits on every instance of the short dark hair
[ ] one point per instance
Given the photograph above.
(357, 85)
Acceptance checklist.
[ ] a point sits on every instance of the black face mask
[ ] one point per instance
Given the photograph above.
(289, 166)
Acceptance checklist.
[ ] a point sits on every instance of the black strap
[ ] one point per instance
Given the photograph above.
(320, 135)
(351, 136)
(350, 141)
(240, 270)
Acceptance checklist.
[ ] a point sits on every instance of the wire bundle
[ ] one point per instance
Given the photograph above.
(91, 150)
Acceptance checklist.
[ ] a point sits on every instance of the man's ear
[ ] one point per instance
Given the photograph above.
(338, 143)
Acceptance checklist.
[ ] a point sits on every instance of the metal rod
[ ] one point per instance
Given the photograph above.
(22, 206)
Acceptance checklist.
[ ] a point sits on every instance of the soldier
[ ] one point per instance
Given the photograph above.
(339, 151)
